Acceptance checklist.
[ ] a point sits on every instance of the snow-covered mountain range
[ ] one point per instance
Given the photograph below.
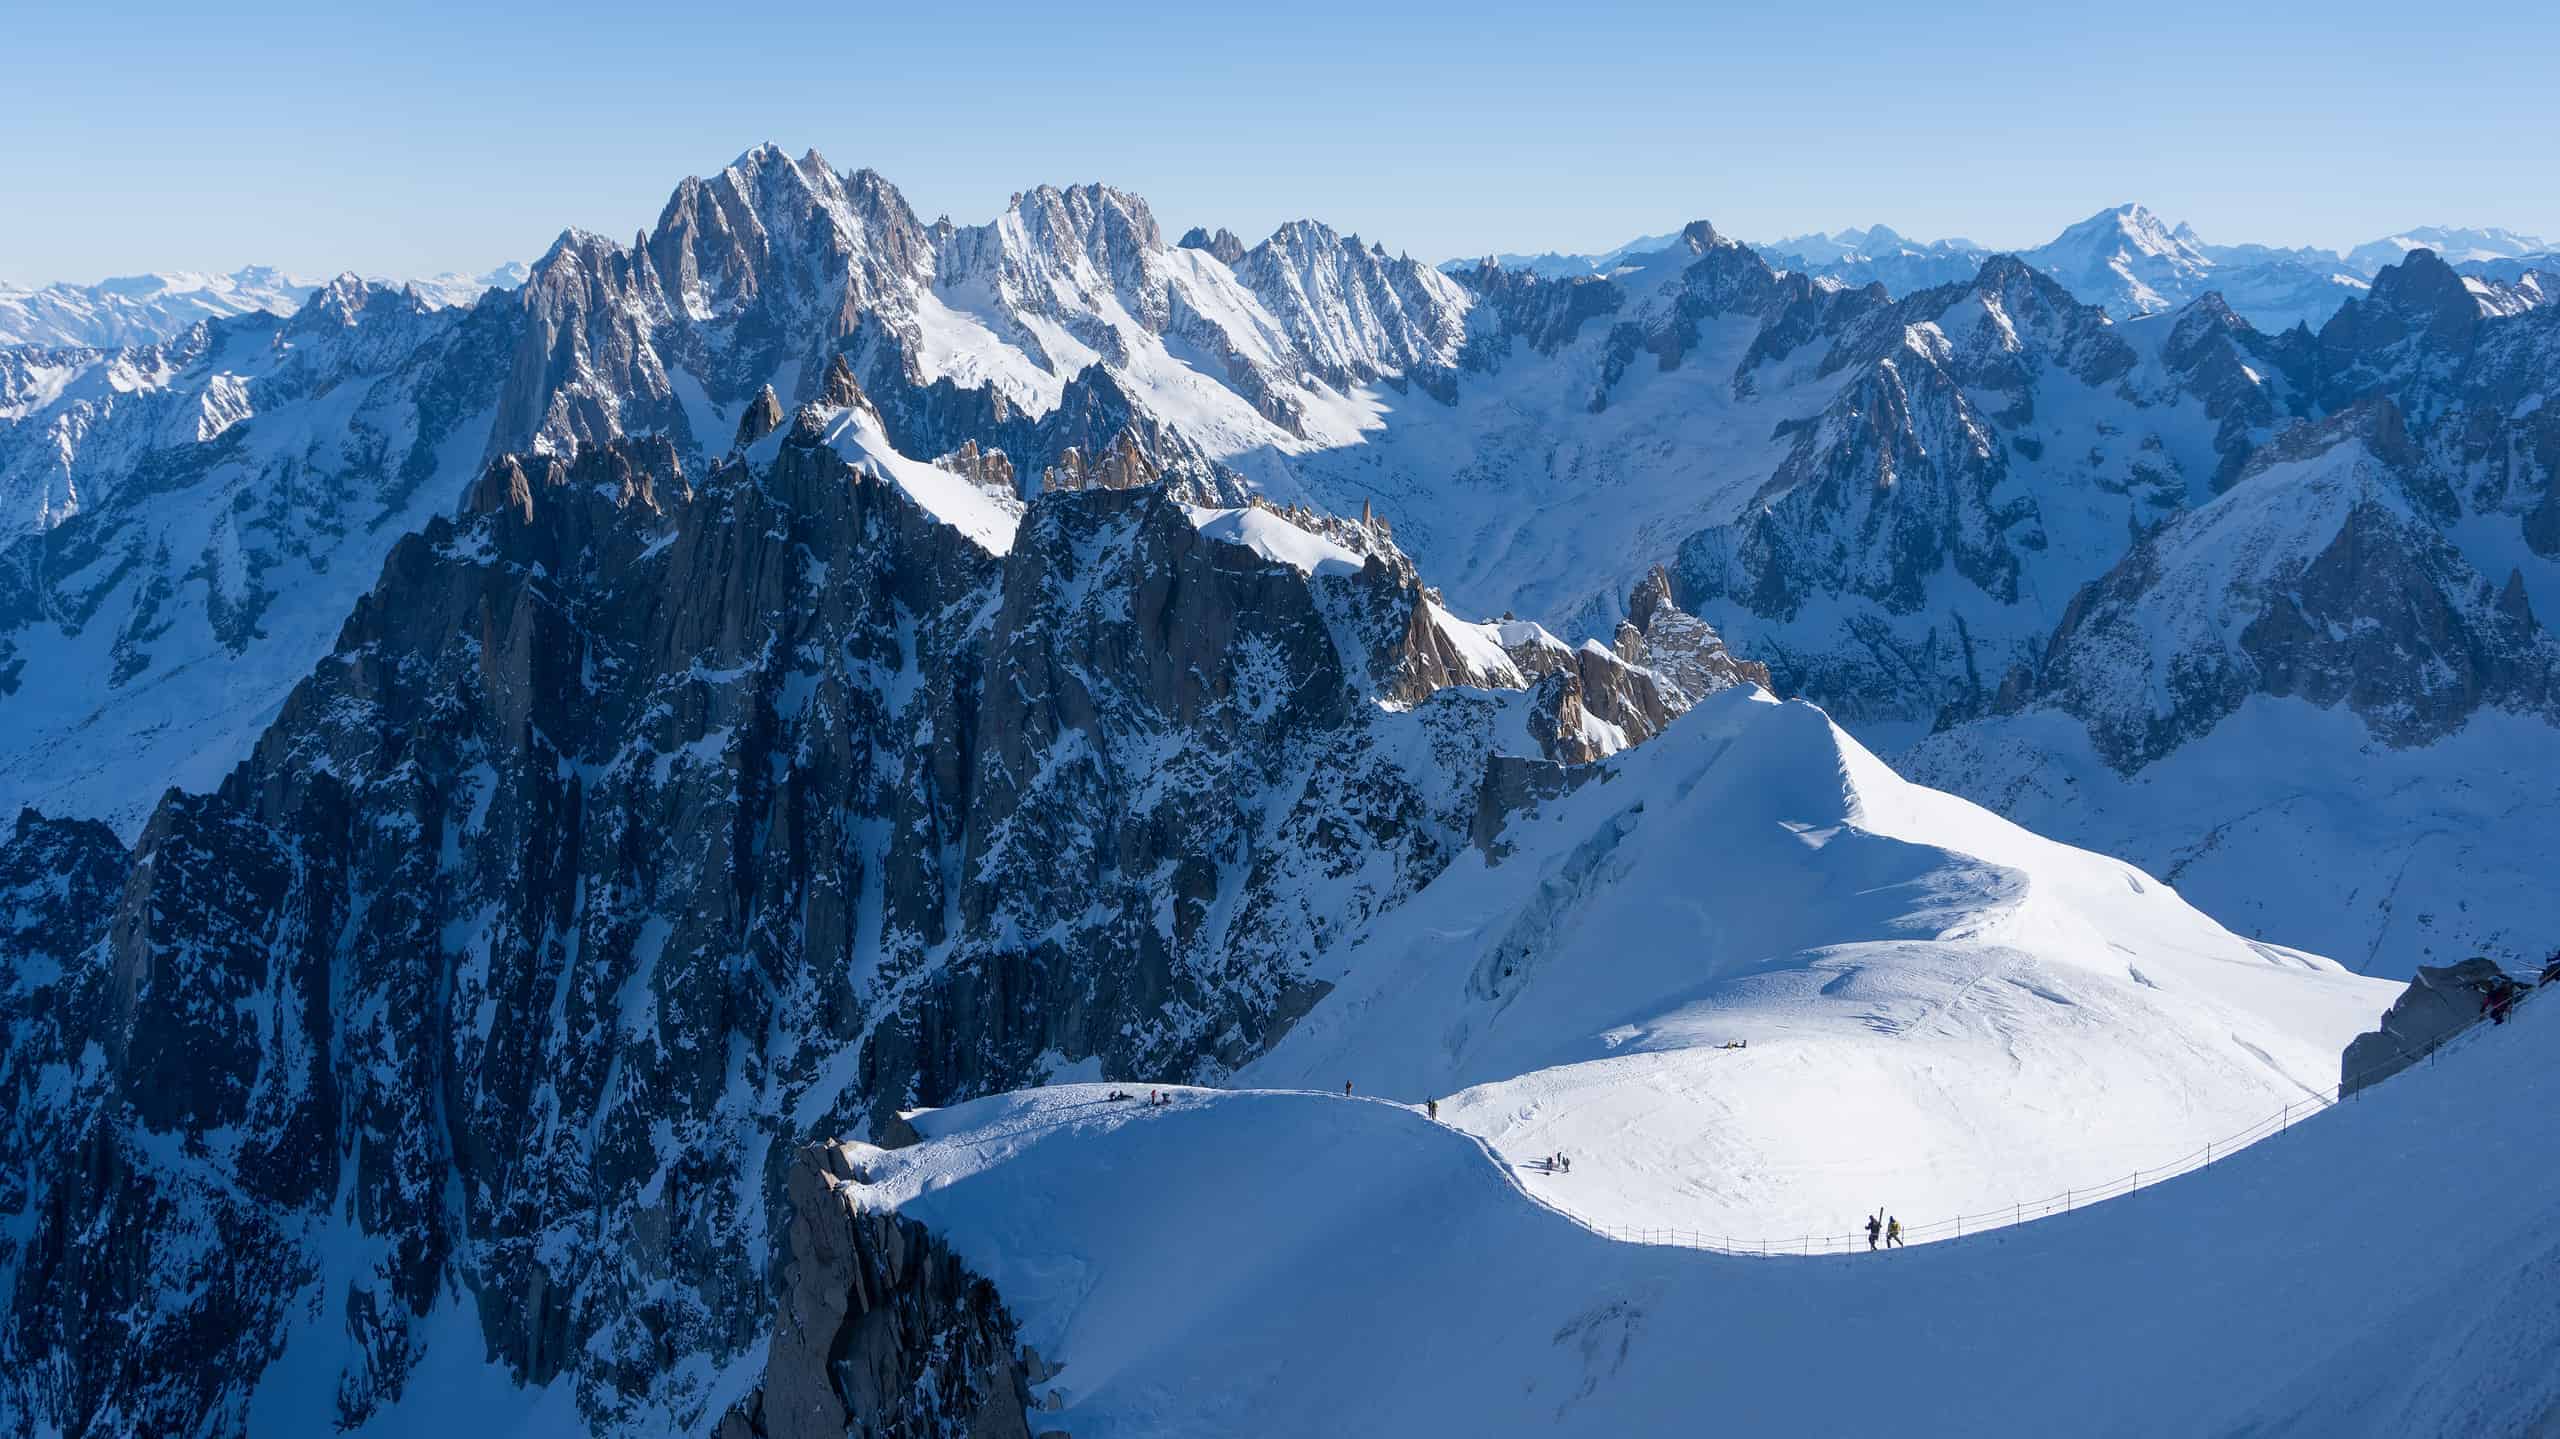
(1877, 255)
(498, 777)
(2455, 245)
(2134, 263)
(1894, 501)
(136, 310)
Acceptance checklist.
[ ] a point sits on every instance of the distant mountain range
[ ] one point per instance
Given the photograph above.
(145, 309)
(2128, 260)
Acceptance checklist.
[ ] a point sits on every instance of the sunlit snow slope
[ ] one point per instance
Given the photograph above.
(1942, 1011)
(1296, 1264)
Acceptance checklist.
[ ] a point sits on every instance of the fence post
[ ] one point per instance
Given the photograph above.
(2208, 1153)
(2066, 1201)
(2285, 1120)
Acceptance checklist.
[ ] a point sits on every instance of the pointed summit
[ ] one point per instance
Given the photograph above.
(763, 417)
(841, 390)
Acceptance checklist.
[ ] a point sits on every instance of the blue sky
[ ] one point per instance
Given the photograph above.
(413, 139)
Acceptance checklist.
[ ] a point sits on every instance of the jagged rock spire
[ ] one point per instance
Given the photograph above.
(763, 417)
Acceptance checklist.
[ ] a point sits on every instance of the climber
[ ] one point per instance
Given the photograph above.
(1432, 1108)
(1892, 1233)
(1875, 1227)
(2499, 999)
(1346, 1089)
(1119, 1094)
(1566, 1161)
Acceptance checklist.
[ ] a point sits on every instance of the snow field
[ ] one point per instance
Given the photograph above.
(1278, 1263)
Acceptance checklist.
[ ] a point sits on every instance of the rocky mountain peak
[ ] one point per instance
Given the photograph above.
(764, 416)
(347, 301)
(840, 390)
(1111, 228)
(2430, 295)
(1223, 244)
(2419, 320)
(1698, 237)
(1679, 646)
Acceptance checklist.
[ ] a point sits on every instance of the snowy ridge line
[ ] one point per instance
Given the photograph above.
(2023, 1212)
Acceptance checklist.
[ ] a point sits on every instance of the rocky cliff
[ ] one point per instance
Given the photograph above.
(880, 1330)
(640, 828)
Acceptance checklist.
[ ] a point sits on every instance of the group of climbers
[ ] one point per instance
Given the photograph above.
(1886, 1227)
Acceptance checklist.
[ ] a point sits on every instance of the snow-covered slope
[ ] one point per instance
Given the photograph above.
(1940, 1008)
(1297, 1264)
(187, 524)
(2424, 855)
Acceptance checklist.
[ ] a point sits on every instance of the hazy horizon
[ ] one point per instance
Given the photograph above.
(410, 141)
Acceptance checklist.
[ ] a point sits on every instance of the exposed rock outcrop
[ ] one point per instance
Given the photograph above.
(1679, 646)
(763, 417)
(2439, 1004)
(881, 1330)
(988, 470)
(1125, 465)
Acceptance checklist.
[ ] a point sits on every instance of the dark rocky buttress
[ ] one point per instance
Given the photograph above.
(636, 833)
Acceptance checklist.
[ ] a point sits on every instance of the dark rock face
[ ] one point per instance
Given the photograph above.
(60, 882)
(881, 1330)
(2439, 1004)
(641, 829)
(1224, 244)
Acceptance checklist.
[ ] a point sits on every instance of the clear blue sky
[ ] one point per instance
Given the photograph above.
(157, 135)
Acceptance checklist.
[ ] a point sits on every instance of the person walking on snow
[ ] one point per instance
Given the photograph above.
(1893, 1233)
(1433, 1107)
(1346, 1089)
(1875, 1227)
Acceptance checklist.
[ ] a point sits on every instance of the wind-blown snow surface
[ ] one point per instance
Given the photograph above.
(1943, 1012)
(1291, 1263)
(2435, 847)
